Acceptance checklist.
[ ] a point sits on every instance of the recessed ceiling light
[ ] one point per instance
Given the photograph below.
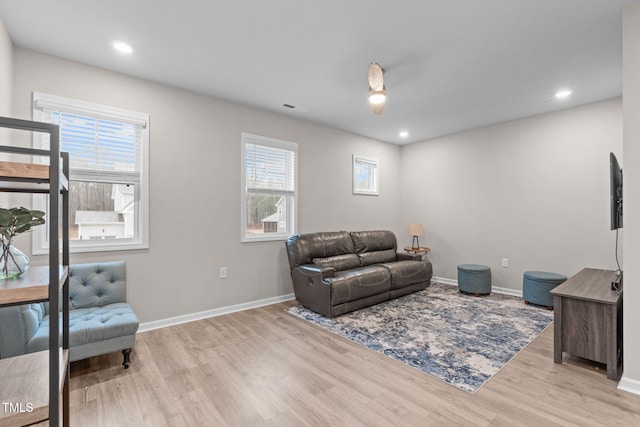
(564, 93)
(403, 134)
(122, 47)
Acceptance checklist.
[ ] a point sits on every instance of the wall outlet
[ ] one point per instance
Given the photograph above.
(505, 262)
(223, 272)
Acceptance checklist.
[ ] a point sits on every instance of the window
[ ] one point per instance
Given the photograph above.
(109, 174)
(365, 175)
(269, 188)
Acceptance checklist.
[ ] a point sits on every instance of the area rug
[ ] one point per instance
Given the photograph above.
(460, 339)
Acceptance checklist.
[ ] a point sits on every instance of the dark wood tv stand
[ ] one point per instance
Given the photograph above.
(588, 319)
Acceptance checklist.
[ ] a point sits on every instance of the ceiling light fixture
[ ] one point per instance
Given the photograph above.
(377, 96)
(122, 47)
(377, 88)
(563, 94)
(403, 134)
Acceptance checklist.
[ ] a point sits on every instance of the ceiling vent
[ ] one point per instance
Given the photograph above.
(296, 108)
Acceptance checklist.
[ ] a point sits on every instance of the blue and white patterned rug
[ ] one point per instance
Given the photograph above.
(460, 339)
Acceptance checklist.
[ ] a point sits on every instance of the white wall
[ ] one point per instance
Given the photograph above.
(534, 190)
(195, 167)
(6, 71)
(631, 96)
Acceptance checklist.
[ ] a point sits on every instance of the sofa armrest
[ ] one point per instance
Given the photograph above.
(316, 270)
(17, 325)
(310, 288)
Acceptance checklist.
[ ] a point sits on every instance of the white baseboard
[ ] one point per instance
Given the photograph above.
(498, 290)
(630, 385)
(444, 280)
(171, 321)
(507, 291)
(157, 324)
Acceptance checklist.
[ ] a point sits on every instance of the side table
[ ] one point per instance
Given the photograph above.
(422, 251)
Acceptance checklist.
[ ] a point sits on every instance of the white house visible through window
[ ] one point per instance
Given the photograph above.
(108, 160)
(269, 188)
(365, 175)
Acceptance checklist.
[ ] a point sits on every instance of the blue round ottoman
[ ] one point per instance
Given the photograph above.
(536, 286)
(474, 279)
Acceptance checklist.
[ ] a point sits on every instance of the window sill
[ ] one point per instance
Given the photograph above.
(102, 247)
(278, 238)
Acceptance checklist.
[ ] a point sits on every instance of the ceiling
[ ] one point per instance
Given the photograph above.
(450, 65)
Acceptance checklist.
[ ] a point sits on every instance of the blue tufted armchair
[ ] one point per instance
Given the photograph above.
(100, 320)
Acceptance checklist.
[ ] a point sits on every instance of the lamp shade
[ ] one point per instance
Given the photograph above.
(415, 229)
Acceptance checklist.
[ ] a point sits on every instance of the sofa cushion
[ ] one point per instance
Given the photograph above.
(88, 325)
(405, 273)
(340, 262)
(358, 283)
(370, 241)
(368, 258)
(303, 248)
(97, 284)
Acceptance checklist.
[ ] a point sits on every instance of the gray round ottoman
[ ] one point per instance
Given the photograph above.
(474, 279)
(536, 286)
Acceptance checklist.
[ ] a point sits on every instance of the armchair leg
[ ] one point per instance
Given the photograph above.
(127, 359)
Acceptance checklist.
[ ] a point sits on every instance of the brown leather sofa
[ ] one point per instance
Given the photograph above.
(337, 272)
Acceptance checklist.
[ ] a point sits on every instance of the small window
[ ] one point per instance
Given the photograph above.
(365, 175)
(269, 188)
(108, 174)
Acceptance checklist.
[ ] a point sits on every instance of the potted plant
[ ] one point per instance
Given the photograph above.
(13, 222)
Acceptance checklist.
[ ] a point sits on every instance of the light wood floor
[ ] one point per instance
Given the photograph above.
(264, 367)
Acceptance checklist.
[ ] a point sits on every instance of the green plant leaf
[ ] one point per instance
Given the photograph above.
(23, 218)
(22, 228)
(5, 217)
(18, 220)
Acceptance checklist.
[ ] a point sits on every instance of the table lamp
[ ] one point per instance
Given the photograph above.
(414, 230)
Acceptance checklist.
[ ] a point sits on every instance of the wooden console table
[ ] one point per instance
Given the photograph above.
(588, 319)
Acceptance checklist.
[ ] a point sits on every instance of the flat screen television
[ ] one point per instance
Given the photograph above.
(615, 173)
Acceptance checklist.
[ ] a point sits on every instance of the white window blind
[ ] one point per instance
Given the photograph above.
(105, 145)
(269, 168)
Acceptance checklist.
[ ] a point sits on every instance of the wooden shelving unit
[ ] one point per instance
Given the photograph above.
(32, 286)
(34, 388)
(23, 171)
